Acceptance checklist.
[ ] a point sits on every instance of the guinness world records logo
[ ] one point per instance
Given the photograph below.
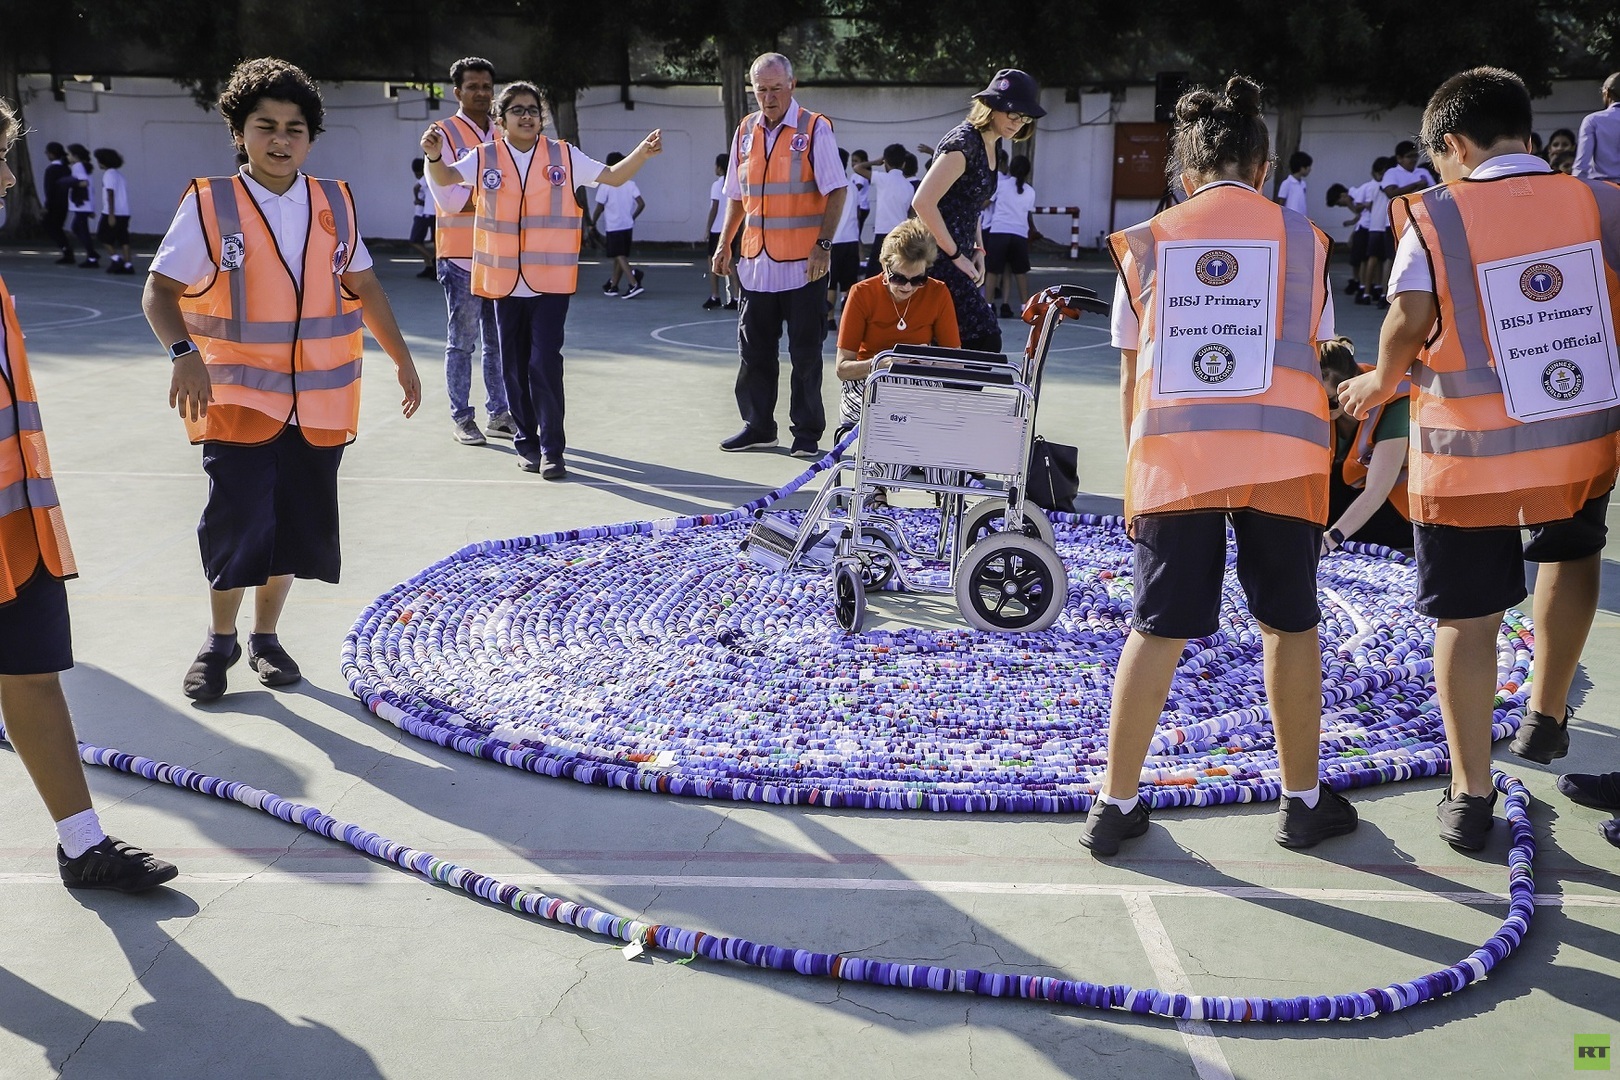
(1562, 380)
(1215, 268)
(1214, 363)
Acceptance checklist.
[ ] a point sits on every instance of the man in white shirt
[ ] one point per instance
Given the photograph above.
(470, 322)
(1597, 147)
(1291, 192)
(781, 280)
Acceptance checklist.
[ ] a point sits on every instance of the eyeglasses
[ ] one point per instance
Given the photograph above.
(1020, 118)
(917, 282)
(520, 110)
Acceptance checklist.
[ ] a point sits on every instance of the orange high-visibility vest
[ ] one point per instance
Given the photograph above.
(1471, 464)
(528, 226)
(782, 203)
(1271, 452)
(1361, 449)
(453, 230)
(271, 346)
(33, 535)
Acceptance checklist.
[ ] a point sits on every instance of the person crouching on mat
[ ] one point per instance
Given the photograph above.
(1225, 421)
(259, 291)
(36, 642)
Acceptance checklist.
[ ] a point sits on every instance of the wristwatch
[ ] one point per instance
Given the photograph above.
(824, 245)
(181, 348)
(1337, 537)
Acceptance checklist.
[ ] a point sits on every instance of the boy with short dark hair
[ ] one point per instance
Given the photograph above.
(259, 291)
(1509, 431)
(1291, 192)
(617, 209)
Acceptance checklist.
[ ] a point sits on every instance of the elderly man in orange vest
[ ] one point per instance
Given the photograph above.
(470, 327)
(785, 188)
(1505, 291)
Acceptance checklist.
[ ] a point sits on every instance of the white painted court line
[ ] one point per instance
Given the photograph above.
(457, 481)
(1209, 1061)
(546, 881)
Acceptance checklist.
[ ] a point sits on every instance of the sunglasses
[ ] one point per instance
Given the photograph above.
(917, 282)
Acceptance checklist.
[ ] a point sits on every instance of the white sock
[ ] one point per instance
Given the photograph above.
(1307, 797)
(79, 833)
(1125, 805)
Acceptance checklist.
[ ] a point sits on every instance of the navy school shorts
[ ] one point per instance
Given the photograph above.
(35, 636)
(272, 510)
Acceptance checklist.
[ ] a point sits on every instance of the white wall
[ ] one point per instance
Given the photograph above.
(166, 139)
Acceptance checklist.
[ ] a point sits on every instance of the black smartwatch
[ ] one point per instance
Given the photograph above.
(1337, 537)
(181, 348)
(824, 245)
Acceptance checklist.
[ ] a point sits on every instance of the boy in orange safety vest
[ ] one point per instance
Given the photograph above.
(526, 234)
(259, 291)
(35, 639)
(1505, 291)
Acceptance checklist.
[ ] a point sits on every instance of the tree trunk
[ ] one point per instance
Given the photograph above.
(23, 210)
(561, 105)
(733, 90)
(1290, 122)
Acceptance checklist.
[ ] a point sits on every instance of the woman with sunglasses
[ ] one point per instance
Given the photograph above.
(902, 305)
(960, 181)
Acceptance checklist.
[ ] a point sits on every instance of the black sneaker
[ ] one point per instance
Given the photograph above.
(1542, 738)
(89, 264)
(748, 439)
(554, 469)
(274, 666)
(711, 303)
(527, 465)
(427, 272)
(637, 273)
(1601, 790)
(113, 864)
(607, 288)
(1006, 312)
(1363, 299)
(805, 448)
(67, 259)
(205, 678)
(731, 305)
(1466, 820)
(1301, 826)
(1106, 826)
(1352, 287)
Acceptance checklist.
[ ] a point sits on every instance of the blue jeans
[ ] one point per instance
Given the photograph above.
(470, 318)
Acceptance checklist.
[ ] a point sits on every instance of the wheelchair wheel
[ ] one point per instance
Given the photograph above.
(849, 598)
(876, 570)
(988, 517)
(1011, 583)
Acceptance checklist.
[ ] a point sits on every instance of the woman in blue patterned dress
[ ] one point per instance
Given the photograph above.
(959, 182)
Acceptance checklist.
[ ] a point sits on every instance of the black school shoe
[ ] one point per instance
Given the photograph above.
(205, 678)
(274, 666)
(1465, 820)
(554, 469)
(1542, 738)
(1601, 790)
(113, 864)
(1301, 826)
(1107, 825)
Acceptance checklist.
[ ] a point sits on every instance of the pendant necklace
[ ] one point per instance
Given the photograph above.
(901, 324)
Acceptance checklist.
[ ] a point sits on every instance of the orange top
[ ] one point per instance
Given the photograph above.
(872, 317)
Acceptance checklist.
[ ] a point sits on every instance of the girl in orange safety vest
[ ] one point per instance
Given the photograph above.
(1505, 292)
(1219, 306)
(259, 291)
(1367, 496)
(35, 639)
(525, 257)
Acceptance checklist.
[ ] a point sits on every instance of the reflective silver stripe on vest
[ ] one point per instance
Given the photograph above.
(1234, 416)
(274, 333)
(223, 191)
(525, 258)
(20, 416)
(774, 223)
(1461, 284)
(281, 382)
(1470, 382)
(1299, 274)
(40, 493)
(1539, 435)
(1297, 357)
(548, 221)
(790, 187)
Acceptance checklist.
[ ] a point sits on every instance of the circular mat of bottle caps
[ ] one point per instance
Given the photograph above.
(653, 656)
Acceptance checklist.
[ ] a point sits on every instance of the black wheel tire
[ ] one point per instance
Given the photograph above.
(849, 598)
(1008, 583)
(876, 570)
(988, 517)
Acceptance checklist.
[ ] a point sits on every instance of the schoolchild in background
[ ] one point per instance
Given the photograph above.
(259, 292)
(617, 208)
(82, 202)
(422, 218)
(114, 228)
(717, 218)
(1006, 240)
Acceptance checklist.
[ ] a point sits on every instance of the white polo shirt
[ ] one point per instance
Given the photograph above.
(184, 256)
(581, 163)
(1410, 270)
(1292, 193)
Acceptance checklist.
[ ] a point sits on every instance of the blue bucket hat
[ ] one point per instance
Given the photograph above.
(1013, 91)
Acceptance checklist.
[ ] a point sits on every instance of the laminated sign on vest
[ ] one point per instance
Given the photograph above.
(1215, 311)
(1550, 332)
